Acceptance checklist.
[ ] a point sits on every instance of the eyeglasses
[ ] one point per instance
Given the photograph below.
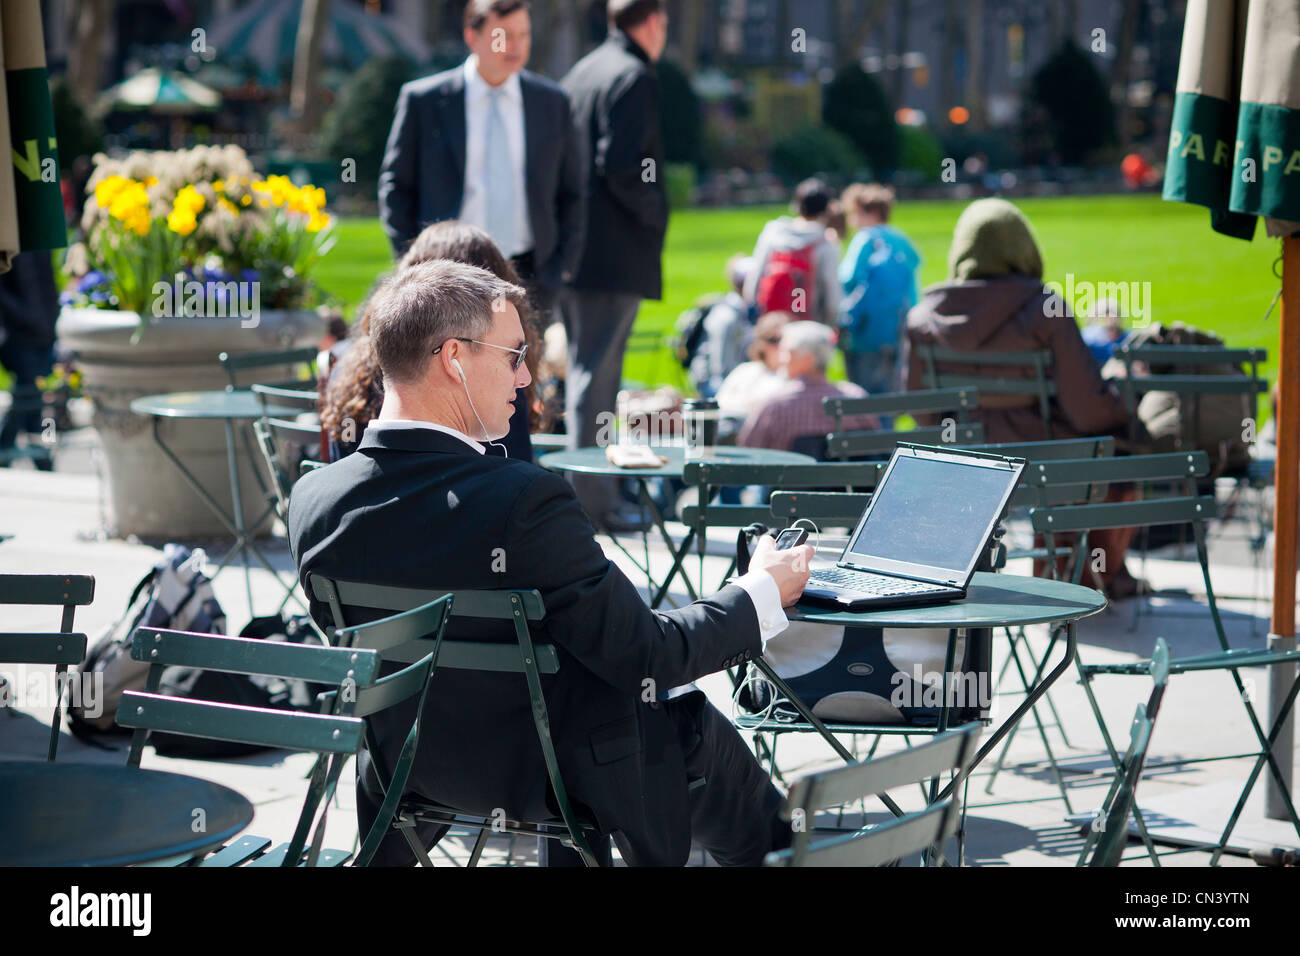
(515, 362)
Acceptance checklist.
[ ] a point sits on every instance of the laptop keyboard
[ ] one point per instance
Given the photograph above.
(876, 585)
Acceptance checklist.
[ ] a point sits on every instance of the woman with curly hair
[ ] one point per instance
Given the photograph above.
(355, 389)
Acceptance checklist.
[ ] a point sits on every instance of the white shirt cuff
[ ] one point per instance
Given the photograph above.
(762, 590)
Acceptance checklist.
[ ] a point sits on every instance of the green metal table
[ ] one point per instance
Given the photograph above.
(69, 814)
(592, 461)
(230, 406)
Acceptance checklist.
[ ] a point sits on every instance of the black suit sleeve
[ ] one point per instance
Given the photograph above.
(570, 198)
(597, 615)
(628, 137)
(398, 195)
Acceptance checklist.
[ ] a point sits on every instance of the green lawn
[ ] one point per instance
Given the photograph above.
(1196, 276)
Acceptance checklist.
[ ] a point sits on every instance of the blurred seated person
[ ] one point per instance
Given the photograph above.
(795, 412)
(753, 381)
(728, 329)
(355, 390)
(1104, 333)
(995, 301)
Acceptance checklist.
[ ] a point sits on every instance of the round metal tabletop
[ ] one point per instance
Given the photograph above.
(218, 403)
(69, 814)
(992, 600)
(592, 461)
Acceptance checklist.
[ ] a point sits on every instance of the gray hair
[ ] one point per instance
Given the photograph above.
(420, 307)
(812, 337)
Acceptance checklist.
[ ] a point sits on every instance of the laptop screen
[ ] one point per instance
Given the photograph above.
(932, 511)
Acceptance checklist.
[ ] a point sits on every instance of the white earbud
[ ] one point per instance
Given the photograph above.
(465, 385)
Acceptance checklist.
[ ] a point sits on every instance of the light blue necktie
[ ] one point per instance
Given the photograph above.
(500, 178)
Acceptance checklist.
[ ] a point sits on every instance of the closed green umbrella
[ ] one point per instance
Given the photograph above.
(31, 203)
(1234, 146)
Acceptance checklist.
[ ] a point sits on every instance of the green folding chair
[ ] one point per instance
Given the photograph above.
(62, 648)
(326, 735)
(1059, 486)
(1196, 511)
(281, 442)
(1004, 379)
(1192, 372)
(1107, 836)
(425, 624)
(887, 843)
(518, 607)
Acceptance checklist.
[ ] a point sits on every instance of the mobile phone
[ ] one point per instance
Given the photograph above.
(791, 538)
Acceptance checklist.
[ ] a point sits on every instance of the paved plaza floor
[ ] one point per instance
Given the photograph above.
(51, 522)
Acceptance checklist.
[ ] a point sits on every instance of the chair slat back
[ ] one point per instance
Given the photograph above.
(490, 605)
(304, 399)
(259, 726)
(237, 363)
(44, 648)
(1101, 446)
(243, 655)
(986, 377)
(894, 839)
(1123, 514)
(841, 445)
(788, 506)
(959, 400)
(66, 590)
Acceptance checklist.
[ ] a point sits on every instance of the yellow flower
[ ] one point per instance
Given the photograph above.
(228, 206)
(246, 200)
(189, 200)
(318, 221)
(219, 185)
(128, 201)
(108, 189)
(182, 222)
(140, 222)
(151, 181)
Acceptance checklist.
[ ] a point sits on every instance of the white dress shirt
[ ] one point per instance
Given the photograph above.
(759, 585)
(473, 207)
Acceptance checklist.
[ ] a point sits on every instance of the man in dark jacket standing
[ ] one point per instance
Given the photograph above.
(613, 92)
(29, 309)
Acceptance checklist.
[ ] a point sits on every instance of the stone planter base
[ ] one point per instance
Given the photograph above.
(147, 494)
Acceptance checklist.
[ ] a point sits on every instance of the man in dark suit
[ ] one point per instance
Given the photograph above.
(420, 504)
(492, 144)
(29, 309)
(614, 94)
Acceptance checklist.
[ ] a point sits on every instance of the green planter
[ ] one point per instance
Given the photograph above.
(146, 494)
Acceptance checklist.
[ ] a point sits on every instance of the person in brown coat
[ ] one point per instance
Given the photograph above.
(994, 301)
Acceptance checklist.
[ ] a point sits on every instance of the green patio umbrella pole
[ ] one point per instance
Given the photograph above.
(1286, 514)
(1234, 146)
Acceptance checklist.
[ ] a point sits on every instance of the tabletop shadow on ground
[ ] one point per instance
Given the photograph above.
(1086, 774)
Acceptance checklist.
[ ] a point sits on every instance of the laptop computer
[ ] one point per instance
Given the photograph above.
(922, 534)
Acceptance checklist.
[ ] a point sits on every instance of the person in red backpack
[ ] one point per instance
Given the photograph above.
(796, 260)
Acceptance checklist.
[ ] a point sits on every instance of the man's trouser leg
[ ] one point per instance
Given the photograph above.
(735, 810)
(597, 325)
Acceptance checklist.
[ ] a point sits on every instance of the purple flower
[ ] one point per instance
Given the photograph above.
(67, 298)
(250, 275)
(91, 279)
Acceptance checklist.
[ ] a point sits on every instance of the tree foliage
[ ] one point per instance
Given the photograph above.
(357, 126)
(1069, 115)
(855, 105)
